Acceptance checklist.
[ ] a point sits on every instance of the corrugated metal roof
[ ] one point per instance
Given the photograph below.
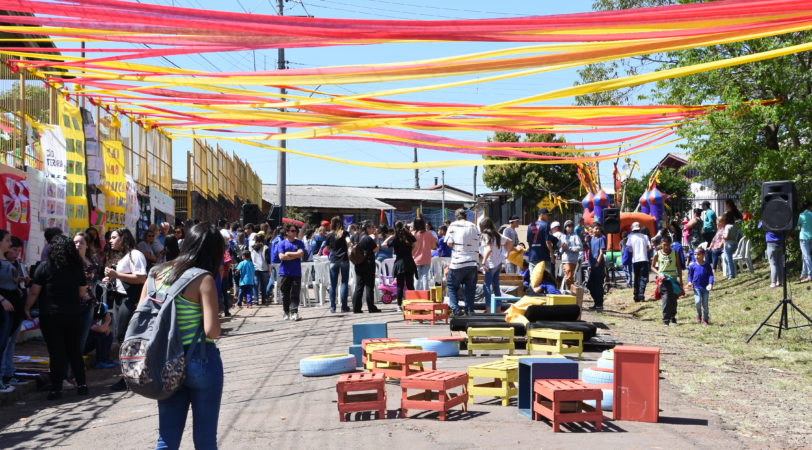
(354, 197)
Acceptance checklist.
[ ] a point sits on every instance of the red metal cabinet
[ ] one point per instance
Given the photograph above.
(637, 384)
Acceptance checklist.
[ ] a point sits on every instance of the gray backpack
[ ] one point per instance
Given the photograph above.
(153, 362)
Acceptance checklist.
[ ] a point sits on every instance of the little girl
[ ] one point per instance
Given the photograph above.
(669, 271)
(700, 275)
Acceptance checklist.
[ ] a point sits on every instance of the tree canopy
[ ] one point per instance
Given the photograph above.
(531, 181)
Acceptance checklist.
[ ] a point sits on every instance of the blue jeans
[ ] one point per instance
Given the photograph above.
(202, 389)
(730, 248)
(701, 300)
(715, 258)
(465, 276)
(806, 255)
(262, 279)
(775, 255)
(595, 284)
(492, 281)
(7, 343)
(423, 277)
(246, 292)
(339, 268)
(628, 273)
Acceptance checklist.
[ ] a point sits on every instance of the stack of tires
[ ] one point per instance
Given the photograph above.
(602, 376)
(442, 348)
(559, 317)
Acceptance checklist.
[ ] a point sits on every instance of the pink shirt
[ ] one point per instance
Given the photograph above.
(421, 252)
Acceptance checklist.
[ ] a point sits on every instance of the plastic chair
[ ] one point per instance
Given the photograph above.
(322, 282)
(387, 290)
(742, 255)
(307, 276)
(387, 266)
(437, 265)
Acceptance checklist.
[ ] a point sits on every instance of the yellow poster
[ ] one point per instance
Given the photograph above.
(70, 120)
(115, 184)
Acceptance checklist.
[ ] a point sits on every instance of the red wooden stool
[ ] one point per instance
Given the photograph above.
(435, 396)
(551, 395)
(425, 311)
(364, 343)
(402, 361)
(367, 401)
(446, 338)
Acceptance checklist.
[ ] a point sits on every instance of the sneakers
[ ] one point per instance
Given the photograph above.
(345, 309)
(376, 310)
(400, 309)
(285, 316)
(705, 323)
(120, 386)
(698, 319)
(295, 317)
(673, 320)
(596, 308)
(68, 385)
(332, 310)
(6, 388)
(13, 381)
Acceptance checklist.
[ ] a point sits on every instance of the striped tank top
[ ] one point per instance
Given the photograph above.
(189, 317)
(667, 264)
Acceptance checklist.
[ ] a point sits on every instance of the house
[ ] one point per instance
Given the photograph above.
(358, 203)
(702, 190)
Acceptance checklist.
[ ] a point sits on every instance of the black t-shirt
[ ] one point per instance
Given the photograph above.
(402, 249)
(60, 288)
(338, 247)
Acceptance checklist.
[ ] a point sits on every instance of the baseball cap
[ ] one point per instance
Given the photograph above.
(544, 211)
(636, 226)
(325, 223)
(513, 219)
(555, 225)
(568, 223)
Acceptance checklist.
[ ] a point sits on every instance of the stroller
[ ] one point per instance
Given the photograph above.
(388, 286)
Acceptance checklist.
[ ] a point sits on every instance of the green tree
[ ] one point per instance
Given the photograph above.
(744, 145)
(36, 101)
(531, 181)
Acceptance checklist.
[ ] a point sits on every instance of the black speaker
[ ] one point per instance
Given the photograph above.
(778, 205)
(275, 216)
(611, 220)
(250, 213)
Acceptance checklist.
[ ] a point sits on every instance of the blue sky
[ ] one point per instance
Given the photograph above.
(303, 170)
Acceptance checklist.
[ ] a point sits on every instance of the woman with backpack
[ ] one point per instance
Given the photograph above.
(127, 270)
(61, 281)
(196, 307)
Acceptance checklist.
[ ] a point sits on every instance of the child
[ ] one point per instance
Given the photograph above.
(245, 272)
(669, 270)
(700, 275)
(101, 337)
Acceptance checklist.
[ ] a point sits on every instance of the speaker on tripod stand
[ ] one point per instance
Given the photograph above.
(778, 215)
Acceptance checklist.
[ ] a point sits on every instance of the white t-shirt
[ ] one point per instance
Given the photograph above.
(639, 244)
(463, 238)
(497, 256)
(730, 232)
(133, 262)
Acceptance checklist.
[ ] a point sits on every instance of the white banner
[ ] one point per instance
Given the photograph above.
(36, 236)
(132, 212)
(52, 206)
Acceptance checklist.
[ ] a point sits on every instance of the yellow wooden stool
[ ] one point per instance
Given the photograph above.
(557, 299)
(503, 333)
(505, 376)
(384, 346)
(516, 358)
(555, 341)
(436, 294)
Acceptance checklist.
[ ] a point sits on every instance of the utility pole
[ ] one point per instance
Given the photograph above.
(416, 172)
(281, 166)
(475, 167)
(442, 172)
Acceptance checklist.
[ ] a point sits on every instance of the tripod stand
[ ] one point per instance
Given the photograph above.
(784, 304)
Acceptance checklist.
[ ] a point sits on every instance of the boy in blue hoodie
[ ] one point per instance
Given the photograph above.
(700, 276)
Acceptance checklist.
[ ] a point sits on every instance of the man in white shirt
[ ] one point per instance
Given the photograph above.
(639, 246)
(510, 233)
(463, 238)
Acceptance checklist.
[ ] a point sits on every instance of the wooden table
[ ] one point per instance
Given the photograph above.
(402, 362)
(425, 311)
(435, 396)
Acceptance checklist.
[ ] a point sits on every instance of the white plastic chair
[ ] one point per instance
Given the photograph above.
(742, 255)
(388, 266)
(322, 282)
(307, 276)
(437, 265)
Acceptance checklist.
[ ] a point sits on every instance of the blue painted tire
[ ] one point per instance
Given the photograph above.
(319, 366)
(592, 376)
(604, 363)
(608, 354)
(442, 348)
(608, 400)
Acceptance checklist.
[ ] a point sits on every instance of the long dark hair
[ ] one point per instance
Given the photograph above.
(63, 253)
(127, 240)
(402, 234)
(488, 228)
(337, 226)
(419, 225)
(203, 247)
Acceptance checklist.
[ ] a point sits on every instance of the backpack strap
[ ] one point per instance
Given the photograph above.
(173, 291)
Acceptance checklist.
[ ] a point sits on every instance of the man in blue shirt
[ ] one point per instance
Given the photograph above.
(290, 252)
(541, 243)
(443, 250)
(805, 225)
